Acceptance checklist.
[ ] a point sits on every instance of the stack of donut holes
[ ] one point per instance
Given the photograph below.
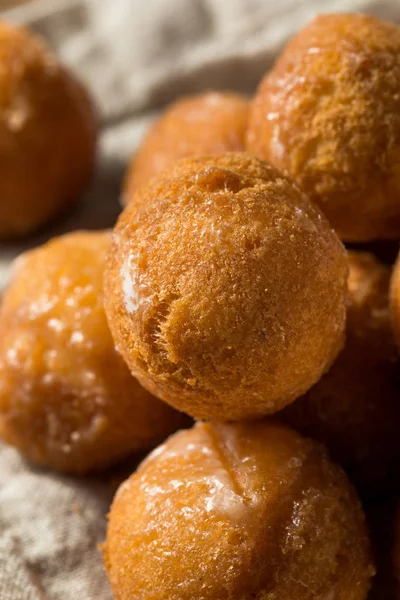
(248, 285)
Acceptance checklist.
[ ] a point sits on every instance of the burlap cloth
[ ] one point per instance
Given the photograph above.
(135, 56)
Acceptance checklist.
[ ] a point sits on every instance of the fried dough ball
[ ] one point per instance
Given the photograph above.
(67, 399)
(225, 292)
(47, 134)
(238, 511)
(354, 409)
(329, 114)
(211, 122)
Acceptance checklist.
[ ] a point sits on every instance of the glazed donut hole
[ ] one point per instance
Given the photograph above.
(225, 288)
(206, 123)
(247, 510)
(67, 399)
(223, 294)
(46, 118)
(329, 114)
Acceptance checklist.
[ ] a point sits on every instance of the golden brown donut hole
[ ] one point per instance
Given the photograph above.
(238, 511)
(200, 124)
(225, 288)
(47, 134)
(67, 399)
(329, 113)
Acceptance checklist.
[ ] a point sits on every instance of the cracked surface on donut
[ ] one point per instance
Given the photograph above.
(225, 288)
(237, 512)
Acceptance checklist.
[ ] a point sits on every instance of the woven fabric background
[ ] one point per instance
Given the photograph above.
(136, 57)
